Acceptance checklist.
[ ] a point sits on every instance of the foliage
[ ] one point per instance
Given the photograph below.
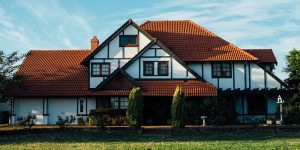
(134, 111)
(293, 68)
(100, 119)
(178, 109)
(291, 111)
(64, 123)
(8, 68)
(214, 109)
(80, 121)
(27, 122)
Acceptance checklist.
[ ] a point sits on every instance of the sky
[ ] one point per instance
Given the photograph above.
(70, 24)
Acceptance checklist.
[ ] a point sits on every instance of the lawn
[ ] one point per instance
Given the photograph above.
(152, 141)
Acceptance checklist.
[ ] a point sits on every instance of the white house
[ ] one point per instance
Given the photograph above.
(156, 56)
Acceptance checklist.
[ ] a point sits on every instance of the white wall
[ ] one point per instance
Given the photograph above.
(155, 53)
(56, 106)
(113, 53)
(26, 106)
(257, 76)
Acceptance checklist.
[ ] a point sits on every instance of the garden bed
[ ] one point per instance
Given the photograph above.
(13, 130)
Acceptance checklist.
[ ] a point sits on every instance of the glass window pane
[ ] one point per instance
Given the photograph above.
(96, 69)
(148, 68)
(105, 69)
(163, 68)
(81, 105)
(132, 40)
(114, 103)
(124, 40)
(123, 103)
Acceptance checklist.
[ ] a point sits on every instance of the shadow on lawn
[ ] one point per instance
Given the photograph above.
(93, 137)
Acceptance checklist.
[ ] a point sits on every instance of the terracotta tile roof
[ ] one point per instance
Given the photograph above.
(167, 87)
(59, 73)
(53, 72)
(191, 42)
(264, 55)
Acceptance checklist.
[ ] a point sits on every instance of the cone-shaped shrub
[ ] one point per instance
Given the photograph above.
(178, 109)
(134, 111)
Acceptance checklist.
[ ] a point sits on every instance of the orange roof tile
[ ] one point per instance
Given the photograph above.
(190, 87)
(53, 72)
(191, 42)
(264, 55)
(59, 73)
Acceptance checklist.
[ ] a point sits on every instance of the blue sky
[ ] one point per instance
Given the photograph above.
(66, 24)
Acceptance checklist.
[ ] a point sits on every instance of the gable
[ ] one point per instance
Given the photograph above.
(110, 51)
(110, 48)
(119, 82)
(156, 53)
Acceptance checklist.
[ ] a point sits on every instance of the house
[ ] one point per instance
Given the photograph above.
(155, 56)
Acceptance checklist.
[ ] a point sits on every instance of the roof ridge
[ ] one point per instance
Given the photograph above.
(197, 25)
(144, 23)
(162, 21)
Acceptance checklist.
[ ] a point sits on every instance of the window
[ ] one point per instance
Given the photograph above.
(119, 102)
(148, 68)
(128, 41)
(221, 70)
(100, 69)
(162, 68)
(81, 106)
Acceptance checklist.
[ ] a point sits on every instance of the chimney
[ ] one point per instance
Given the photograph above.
(94, 43)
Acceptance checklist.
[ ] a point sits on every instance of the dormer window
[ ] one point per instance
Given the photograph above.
(128, 40)
(100, 69)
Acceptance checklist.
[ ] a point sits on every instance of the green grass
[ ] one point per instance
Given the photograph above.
(152, 141)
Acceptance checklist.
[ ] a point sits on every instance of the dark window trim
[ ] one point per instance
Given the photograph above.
(158, 70)
(221, 76)
(100, 65)
(128, 38)
(144, 70)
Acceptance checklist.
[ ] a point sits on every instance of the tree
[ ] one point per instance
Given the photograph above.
(134, 112)
(179, 109)
(293, 68)
(8, 68)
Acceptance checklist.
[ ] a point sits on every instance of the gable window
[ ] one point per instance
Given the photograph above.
(128, 41)
(162, 68)
(100, 69)
(119, 102)
(148, 68)
(221, 70)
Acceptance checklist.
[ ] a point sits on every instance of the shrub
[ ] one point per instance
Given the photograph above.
(134, 111)
(179, 109)
(100, 119)
(80, 121)
(64, 123)
(27, 122)
(291, 111)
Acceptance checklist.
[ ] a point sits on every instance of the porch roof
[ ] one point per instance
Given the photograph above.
(164, 88)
